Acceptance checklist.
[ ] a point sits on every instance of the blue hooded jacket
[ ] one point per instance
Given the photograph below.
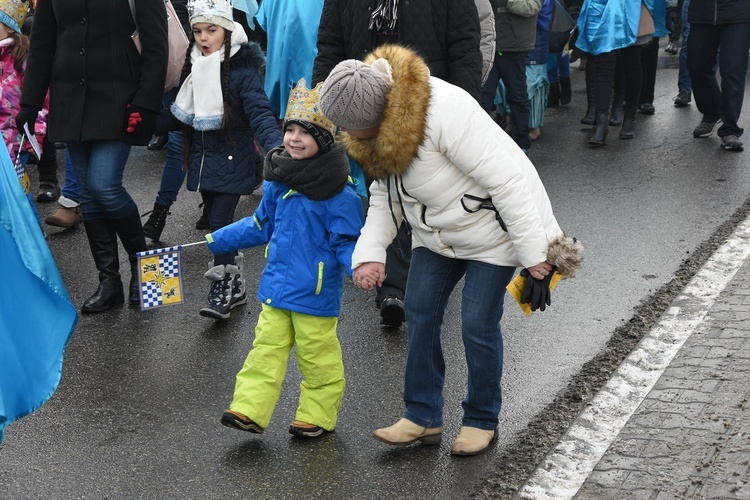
(310, 245)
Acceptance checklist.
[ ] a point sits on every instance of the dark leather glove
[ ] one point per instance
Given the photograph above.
(27, 114)
(536, 292)
(139, 125)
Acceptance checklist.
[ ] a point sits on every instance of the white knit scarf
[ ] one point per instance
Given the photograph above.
(200, 102)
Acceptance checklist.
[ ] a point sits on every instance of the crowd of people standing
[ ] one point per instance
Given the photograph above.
(415, 91)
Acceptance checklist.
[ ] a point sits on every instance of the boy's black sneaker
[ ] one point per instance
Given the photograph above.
(238, 421)
(303, 429)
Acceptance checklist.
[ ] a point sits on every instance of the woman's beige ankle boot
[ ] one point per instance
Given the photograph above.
(405, 432)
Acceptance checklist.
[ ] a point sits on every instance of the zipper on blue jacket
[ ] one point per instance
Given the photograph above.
(320, 278)
(203, 156)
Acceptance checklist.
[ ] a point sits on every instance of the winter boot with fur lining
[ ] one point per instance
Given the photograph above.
(237, 282)
(219, 295)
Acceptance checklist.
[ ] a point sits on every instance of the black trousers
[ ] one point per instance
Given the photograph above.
(511, 69)
(630, 57)
(731, 42)
(649, 61)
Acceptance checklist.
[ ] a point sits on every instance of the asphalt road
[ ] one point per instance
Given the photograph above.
(137, 411)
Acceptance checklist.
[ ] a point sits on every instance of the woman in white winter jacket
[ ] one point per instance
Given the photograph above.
(476, 209)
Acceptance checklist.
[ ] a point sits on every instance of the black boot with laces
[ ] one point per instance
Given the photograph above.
(155, 223)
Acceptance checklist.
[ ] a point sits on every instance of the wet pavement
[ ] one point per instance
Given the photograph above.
(136, 414)
(673, 421)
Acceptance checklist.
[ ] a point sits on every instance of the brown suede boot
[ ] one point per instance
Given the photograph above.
(64, 217)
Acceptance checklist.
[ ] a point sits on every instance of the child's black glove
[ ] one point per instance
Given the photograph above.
(536, 292)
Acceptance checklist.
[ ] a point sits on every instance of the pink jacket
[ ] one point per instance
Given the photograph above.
(10, 97)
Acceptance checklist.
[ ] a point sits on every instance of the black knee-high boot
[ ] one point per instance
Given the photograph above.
(131, 235)
(103, 244)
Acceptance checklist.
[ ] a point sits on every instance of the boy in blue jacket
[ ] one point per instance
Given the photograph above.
(310, 217)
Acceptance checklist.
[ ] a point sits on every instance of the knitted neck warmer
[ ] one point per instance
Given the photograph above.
(200, 101)
(318, 178)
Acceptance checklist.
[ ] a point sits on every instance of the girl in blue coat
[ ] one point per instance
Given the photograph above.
(309, 218)
(223, 102)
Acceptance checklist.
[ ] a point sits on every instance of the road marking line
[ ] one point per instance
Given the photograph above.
(564, 470)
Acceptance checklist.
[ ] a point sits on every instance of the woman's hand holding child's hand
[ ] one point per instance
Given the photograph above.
(368, 275)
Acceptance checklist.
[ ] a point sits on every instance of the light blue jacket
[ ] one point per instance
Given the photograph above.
(607, 25)
(292, 28)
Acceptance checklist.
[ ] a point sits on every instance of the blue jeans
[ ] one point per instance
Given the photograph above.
(432, 279)
(70, 189)
(99, 167)
(683, 80)
(558, 66)
(173, 174)
(731, 43)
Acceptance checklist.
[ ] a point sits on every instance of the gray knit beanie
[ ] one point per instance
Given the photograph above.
(354, 95)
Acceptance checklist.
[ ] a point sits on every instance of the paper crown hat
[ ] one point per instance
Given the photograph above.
(13, 13)
(218, 12)
(303, 106)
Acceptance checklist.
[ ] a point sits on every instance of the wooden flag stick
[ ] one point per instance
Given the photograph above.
(193, 244)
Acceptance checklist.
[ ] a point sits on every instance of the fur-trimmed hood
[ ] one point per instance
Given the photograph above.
(404, 123)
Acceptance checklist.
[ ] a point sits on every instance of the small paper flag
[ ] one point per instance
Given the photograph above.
(161, 277)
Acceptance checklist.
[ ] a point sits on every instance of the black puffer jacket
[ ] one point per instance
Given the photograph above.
(83, 52)
(719, 11)
(444, 32)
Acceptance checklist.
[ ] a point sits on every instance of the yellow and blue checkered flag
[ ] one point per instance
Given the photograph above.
(161, 277)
